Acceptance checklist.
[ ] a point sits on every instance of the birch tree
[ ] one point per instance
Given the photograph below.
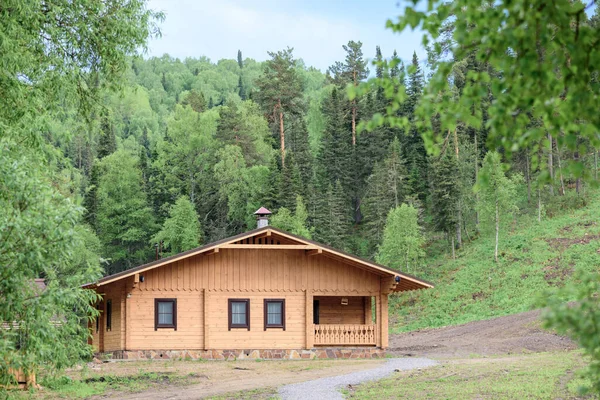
(498, 193)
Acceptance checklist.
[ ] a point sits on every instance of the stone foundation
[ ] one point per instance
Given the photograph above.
(230, 355)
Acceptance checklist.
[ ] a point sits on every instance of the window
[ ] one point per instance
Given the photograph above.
(108, 315)
(239, 313)
(165, 313)
(99, 308)
(274, 313)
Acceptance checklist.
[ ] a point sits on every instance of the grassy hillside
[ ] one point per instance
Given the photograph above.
(536, 258)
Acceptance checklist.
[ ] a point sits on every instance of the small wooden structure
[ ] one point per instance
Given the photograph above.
(262, 290)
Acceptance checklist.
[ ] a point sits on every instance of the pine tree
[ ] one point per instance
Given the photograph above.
(195, 100)
(352, 71)
(280, 93)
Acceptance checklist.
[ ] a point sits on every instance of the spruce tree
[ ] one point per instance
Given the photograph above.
(300, 146)
(444, 194)
(90, 199)
(108, 142)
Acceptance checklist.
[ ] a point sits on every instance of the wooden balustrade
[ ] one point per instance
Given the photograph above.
(345, 335)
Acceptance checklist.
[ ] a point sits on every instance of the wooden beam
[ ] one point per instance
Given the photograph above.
(310, 332)
(314, 252)
(263, 235)
(212, 251)
(384, 321)
(270, 246)
(378, 319)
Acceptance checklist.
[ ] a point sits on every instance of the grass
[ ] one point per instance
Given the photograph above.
(65, 387)
(535, 259)
(533, 376)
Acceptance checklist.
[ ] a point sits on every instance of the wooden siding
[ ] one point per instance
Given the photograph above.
(257, 338)
(276, 270)
(112, 337)
(190, 327)
(202, 285)
(331, 311)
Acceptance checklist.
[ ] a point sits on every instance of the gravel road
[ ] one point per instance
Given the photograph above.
(328, 388)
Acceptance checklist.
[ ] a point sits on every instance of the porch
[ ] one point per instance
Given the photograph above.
(352, 321)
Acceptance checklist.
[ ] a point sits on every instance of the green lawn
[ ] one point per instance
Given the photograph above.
(534, 258)
(533, 376)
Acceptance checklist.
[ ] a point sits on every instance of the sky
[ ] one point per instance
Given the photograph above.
(315, 29)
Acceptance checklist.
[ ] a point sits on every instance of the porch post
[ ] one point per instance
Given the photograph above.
(368, 311)
(310, 332)
(384, 320)
(378, 319)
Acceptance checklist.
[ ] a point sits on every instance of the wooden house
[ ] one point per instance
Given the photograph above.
(262, 294)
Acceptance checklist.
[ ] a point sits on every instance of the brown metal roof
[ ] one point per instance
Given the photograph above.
(408, 282)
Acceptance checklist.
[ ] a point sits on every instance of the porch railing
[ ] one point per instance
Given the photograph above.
(344, 335)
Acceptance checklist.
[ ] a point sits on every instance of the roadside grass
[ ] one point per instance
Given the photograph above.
(532, 376)
(535, 259)
(65, 387)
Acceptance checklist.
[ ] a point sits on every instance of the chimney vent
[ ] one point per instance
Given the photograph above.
(262, 217)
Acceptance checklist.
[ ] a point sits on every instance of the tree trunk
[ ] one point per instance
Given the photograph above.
(539, 205)
(550, 165)
(459, 215)
(562, 182)
(497, 230)
(354, 111)
(528, 177)
(578, 179)
(595, 165)
(476, 177)
(281, 134)
(453, 251)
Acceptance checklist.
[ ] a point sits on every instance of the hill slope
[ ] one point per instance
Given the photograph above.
(536, 258)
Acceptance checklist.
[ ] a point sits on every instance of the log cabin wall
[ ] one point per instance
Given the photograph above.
(264, 270)
(332, 312)
(203, 284)
(114, 335)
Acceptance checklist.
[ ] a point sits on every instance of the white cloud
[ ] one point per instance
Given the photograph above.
(217, 29)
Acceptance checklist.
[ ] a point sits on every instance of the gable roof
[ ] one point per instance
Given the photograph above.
(407, 282)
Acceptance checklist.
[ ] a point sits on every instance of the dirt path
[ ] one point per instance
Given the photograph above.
(219, 378)
(504, 335)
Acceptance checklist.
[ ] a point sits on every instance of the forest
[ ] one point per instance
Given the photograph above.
(110, 158)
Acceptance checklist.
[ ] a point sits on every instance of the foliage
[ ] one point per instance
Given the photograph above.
(294, 223)
(41, 238)
(535, 258)
(125, 219)
(546, 76)
(402, 245)
(497, 192)
(580, 320)
(181, 230)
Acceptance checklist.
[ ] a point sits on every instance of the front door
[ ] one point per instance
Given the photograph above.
(316, 312)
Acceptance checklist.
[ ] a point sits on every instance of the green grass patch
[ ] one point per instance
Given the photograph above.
(535, 259)
(534, 376)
